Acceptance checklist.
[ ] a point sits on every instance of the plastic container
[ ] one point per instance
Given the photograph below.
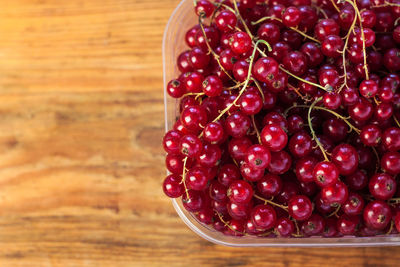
(181, 20)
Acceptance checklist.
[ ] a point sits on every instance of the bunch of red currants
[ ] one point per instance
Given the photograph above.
(289, 118)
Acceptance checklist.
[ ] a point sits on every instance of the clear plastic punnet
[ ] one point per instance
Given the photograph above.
(180, 21)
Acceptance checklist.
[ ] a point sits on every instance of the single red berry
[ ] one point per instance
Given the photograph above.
(305, 168)
(270, 185)
(300, 207)
(190, 146)
(212, 86)
(335, 194)
(226, 21)
(382, 186)
(391, 139)
(258, 157)
(300, 144)
(313, 226)
(280, 162)
(377, 215)
(240, 192)
(228, 173)
(332, 45)
(237, 124)
(325, 174)
(173, 187)
(263, 217)
(265, 69)
(204, 8)
(285, 227)
(368, 88)
(194, 201)
(249, 173)
(354, 205)
(370, 135)
(390, 162)
(347, 225)
(274, 137)
(240, 43)
(345, 157)
(291, 17)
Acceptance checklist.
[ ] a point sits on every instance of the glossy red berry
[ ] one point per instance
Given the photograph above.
(204, 8)
(345, 157)
(285, 227)
(368, 88)
(377, 214)
(300, 144)
(190, 146)
(300, 207)
(325, 173)
(265, 69)
(390, 163)
(291, 17)
(274, 137)
(270, 185)
(212, 86)
(226, 21)
(370, 135)
(354, 205)
(173, 187)
(335, 194)
(240, 192)
(382, 186)
(305, 168)
(258, 157)
(263, 217)
(391, 139)
(240, 43)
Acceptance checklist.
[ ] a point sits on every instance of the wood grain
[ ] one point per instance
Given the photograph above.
(81, 119)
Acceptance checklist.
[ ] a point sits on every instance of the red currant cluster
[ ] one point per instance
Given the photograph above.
(289, 118)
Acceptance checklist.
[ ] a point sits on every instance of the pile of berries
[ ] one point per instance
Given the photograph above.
(289, 118)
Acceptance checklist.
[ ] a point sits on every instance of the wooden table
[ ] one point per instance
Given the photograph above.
(81, 120)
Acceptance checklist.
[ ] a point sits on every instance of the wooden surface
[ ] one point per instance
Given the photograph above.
(81, 119)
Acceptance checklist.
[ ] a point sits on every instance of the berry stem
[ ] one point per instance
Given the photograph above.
(358, 15)
(352, 127)
(335, 212)
(292, 28)
(259, 89)
(210, 50)
(271, 202)
(377, 159)
(184, 176)
(312, 130)
(335, 6)
(396, 120)
(246, 81)
(351, 29)
(327, 89)
(256, 129)
(390, 228)
(241, 19)
(227, 224)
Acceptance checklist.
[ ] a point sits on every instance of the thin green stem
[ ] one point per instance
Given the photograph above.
(215, 55)
(352, 127)
(292, 28)
(256, 129)
(227, 224)
(246, 81)
(184, 177)
(266, 201)
(319, 144)
(327, 89)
